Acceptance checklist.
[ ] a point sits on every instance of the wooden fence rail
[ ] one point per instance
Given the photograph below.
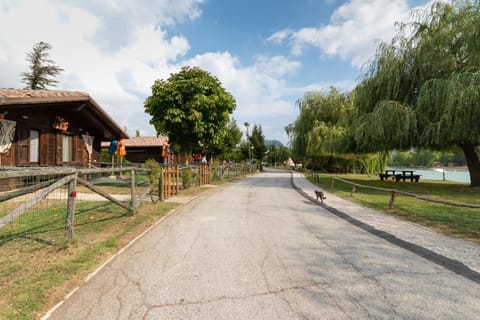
(394, 192)
(32, 185)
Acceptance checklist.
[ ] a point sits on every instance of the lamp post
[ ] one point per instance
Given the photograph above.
(248, 140)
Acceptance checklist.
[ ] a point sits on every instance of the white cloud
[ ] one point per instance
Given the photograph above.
(115, 49)
(258, 89)
(280, 36)
(119, 78)
(262, 95)
(353, 32)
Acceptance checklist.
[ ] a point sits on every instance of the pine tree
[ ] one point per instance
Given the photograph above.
(41, 68)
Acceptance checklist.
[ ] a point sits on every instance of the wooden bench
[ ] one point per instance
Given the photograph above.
(412, 177)
(386, 175)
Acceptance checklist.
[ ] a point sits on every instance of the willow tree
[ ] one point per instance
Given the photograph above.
(422, 89)
(320, 128)
(319, 120)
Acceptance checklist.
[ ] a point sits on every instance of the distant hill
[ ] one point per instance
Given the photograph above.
(276, 143)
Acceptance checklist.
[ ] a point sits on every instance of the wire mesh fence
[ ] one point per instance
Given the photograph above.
(50, 201)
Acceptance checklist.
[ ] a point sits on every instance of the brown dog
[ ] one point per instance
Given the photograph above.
(319, 194)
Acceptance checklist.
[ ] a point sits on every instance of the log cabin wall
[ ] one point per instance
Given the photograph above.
(41, 118)
(50, 142)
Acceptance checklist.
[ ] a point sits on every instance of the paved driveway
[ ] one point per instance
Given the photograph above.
(256, 249)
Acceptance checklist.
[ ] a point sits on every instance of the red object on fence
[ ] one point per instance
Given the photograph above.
(73, 194)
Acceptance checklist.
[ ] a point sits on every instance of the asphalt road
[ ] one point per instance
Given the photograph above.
(256, 249)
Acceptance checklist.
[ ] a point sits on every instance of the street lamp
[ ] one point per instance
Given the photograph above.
(248, 140)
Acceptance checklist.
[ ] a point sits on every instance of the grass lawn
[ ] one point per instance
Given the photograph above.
(38, 268)
(452, 220)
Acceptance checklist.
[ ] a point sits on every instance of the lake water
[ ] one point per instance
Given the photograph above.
(436, 174)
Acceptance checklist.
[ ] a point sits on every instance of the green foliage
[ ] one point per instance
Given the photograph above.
(427, 158)
(187, 178)
(257, 141)
(41, 68)
(277, 154)
(320, 125)
(421, 90)
(389, 126)
(226, 148)
(192, 109)
(155, 171)
(319, 134)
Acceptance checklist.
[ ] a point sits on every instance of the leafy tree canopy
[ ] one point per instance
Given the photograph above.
(320, 122)
(42, 68)
(318, 135)
(226, 149)
(422, 89)
(192, 109)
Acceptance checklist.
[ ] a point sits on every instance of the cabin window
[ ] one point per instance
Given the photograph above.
(34, 146)
(66, 148)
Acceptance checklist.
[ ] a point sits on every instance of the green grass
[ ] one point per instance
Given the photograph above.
(452, 220)
(37, 266)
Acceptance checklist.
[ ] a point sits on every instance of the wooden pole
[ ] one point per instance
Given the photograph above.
(200, 176)
(177, 183)
(169, 182)
(69, 232)
(132, 187)
(354, 188)
(160, 185)
(392, 200)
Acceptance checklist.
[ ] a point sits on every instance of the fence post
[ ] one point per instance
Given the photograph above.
(177, 182)
(69, 232)
(160, 185)
(132, 188)
(354, 188)
(392, 200)
(200, 176)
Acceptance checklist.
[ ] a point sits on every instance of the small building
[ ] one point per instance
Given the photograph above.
(140, 149)
(52, 128)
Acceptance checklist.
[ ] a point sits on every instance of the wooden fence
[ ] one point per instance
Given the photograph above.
(23, 189)
(395, 192)
(31, 186)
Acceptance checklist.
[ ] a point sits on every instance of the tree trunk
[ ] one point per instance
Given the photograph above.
(473, 164)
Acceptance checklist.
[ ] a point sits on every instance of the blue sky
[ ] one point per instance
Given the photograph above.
(267, 53)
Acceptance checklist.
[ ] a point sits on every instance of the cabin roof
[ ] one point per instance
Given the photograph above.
(72, 100)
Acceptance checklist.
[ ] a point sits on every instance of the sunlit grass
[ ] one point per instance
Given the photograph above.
(451, 220)
(35, 259)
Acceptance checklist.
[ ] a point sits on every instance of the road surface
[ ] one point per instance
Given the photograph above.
(256, 249)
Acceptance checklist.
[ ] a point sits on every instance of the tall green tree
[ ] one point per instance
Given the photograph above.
(42, 69)
(192, 109)
(422, 89)
(257, 141)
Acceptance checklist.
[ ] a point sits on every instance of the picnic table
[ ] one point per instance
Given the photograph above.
(405, 174)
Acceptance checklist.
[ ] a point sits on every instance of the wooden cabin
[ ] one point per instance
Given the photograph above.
(140, 149)
(52, 128)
